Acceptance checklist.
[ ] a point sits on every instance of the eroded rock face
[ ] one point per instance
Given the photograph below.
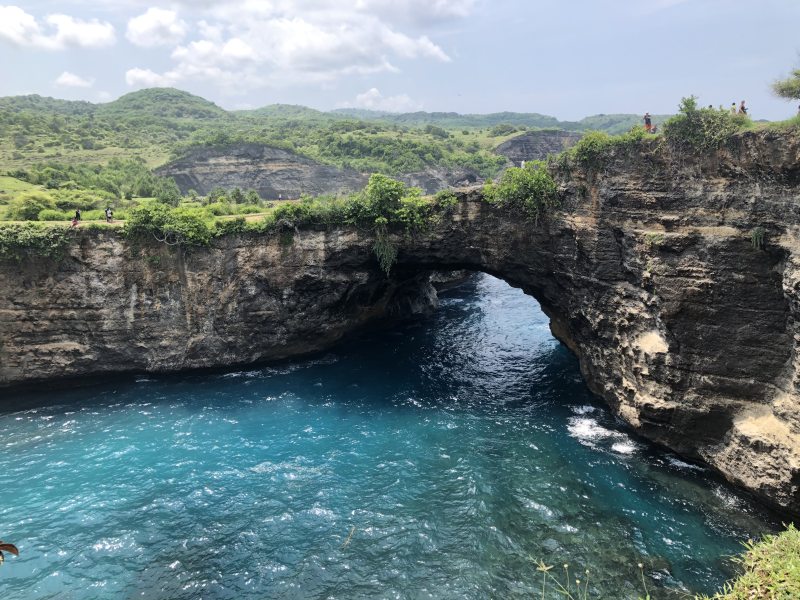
(648, 272)
(271, 172)
(537, 145)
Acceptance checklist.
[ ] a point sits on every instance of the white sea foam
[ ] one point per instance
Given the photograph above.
(590, 433)
(589, 430)
(583, 410)
(678, 463)
(624, 447)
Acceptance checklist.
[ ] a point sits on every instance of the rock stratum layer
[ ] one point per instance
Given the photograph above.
(277, 173)
(537, 145)
(652, 272)
(272, 172)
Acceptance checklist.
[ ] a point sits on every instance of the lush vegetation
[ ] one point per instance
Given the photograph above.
(156, 124)
(702, 129)
(30, 239)
(502, 122)
(770, 569)
(788, 88)
(593, 147)
(530, 190)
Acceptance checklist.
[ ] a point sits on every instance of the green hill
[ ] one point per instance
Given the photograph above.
(161, 102)
(159, 124)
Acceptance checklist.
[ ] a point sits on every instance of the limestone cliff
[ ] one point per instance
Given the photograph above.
(272, 172)
(653, 271)
(537, 145)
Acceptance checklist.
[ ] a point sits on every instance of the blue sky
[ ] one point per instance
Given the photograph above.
(566, 58)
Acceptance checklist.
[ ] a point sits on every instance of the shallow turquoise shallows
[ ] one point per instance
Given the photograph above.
(438, 459)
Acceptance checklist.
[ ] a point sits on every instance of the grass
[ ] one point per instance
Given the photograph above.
(770, 570)
(11, 188)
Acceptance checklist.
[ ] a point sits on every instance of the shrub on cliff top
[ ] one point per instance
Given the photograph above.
(30, 239)
(173, 226)
(530, 190)
(702, 129)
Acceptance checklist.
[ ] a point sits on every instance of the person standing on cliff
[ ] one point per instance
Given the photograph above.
(742, 109)
(648, 123)
(733, 108)
(109, 214)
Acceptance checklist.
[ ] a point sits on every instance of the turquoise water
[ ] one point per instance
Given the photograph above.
(433, 460)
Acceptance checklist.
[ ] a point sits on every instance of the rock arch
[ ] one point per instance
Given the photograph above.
(649, 273)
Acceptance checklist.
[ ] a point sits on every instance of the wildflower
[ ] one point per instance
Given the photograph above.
(543, 567)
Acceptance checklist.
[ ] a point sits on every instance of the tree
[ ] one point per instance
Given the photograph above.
(788, 88)
(28, 206)
(167, 192)
(384, 193)
(237, 196)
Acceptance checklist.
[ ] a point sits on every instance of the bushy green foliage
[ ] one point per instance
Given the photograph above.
(770, 569)
(30, 239)
(173, 226)
(594, 146)
(28, 206)
(502, 129)
(118, 179)
(702, 129)
(233, 226)
(446, 199)
(788, 88)
(48, 214)
(530, 190)
(384, 194)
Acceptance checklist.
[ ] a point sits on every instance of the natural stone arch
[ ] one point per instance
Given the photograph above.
(648, 272)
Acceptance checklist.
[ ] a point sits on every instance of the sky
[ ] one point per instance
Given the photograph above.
(565, 58)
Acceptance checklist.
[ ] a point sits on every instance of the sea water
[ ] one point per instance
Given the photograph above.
(437, 459)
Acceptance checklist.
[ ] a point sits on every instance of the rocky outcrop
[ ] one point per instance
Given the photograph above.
(537, 145)
(433, 180)
(276, 173)
(675, 278)
(272, 172)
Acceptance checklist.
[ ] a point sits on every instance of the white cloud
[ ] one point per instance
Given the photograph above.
(246, 44)
(156, 27)
(59, 31)
(418, 11)
(142, 78)
(67, 79)
(372, 99)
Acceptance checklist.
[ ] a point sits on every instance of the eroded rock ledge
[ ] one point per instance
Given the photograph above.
(648, 272)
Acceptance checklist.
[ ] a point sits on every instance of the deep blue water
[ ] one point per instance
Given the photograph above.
(437, 459)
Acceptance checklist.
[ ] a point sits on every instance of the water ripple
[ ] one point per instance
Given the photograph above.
(435, 460)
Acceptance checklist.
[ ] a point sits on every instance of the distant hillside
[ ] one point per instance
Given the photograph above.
(161, 102)
(449, 120)
(162, 124)
(287, 111)
(39, 104)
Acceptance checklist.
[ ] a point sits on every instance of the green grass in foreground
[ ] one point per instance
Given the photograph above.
(770, 570)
